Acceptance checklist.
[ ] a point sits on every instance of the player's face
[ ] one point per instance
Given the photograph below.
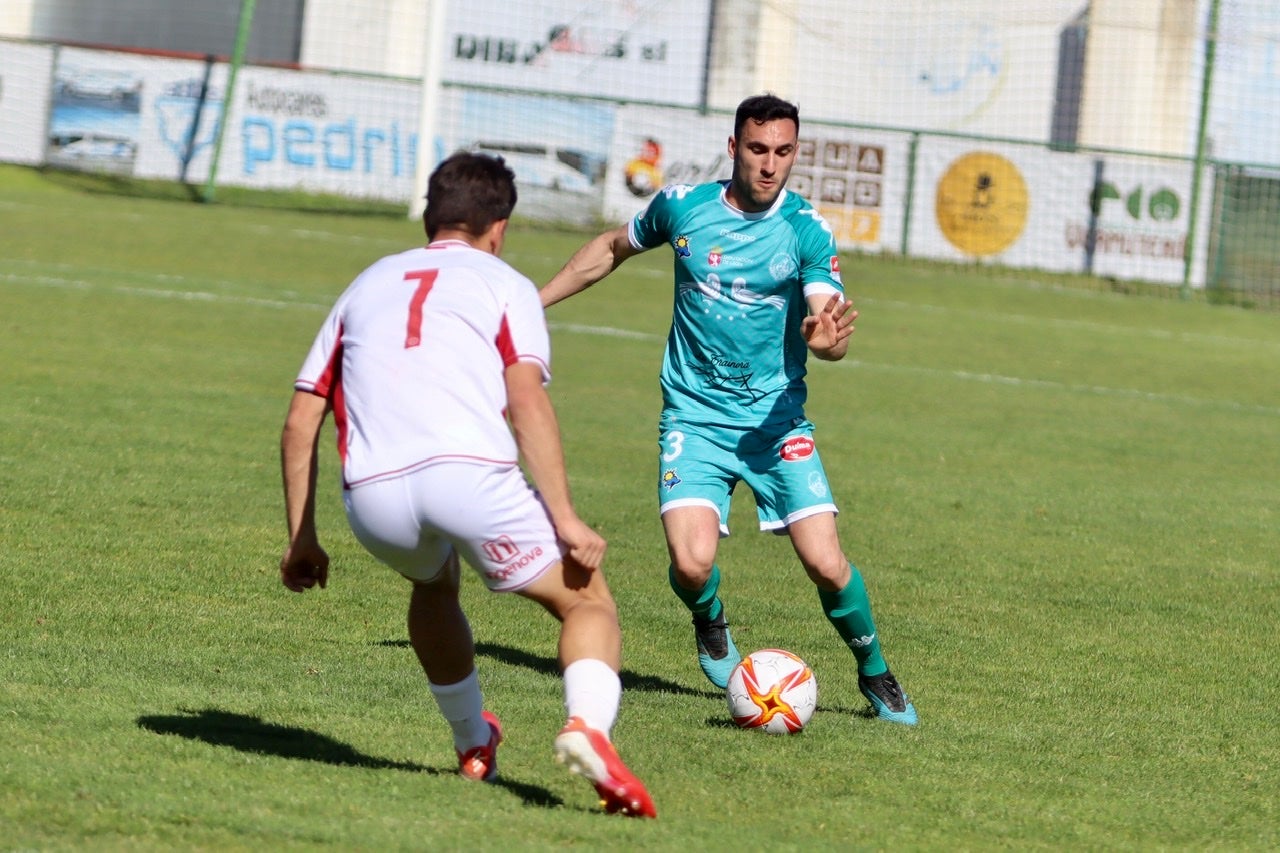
(762, 159)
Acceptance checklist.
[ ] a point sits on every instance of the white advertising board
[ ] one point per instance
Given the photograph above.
(25, 77)
(557, 147)
(855, 178)
(651, 51)
(132, 115)
(1028, 207)
(1143, 219)
(318, 132)
(322, 132)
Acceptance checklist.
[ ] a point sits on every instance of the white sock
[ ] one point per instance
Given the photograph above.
(461, 704)
(592, 691)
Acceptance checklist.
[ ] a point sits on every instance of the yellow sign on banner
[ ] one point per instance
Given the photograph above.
(982, 203)
(852, 225)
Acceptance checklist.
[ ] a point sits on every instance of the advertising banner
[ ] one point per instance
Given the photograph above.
(1029, 207)
(557, 147)
(133, 115)
(634, 51)
(322, 132)
(137, 115)
(1143, 210)
(25, 75)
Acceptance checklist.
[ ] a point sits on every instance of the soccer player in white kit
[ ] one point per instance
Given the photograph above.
(422, 360)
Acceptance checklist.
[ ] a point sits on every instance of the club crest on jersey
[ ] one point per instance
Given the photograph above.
(714, 257)
(796, 449)
(670, 478)
(782, 266)
(682, 247)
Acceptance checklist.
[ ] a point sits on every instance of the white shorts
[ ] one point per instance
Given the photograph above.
(496, 521)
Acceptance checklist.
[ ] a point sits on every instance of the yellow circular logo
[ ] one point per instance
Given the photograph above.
(982, 203)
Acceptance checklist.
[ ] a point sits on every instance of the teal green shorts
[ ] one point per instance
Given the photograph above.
(700, 465)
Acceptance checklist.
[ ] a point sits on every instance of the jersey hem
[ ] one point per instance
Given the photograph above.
(425, 463)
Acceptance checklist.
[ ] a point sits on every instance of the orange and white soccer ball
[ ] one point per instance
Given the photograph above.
(772, 691)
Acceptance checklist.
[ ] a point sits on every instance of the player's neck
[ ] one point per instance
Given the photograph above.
(490, 241)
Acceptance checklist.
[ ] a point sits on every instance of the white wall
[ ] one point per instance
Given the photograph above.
(1143, 70)
(375, 36)
(15, 18)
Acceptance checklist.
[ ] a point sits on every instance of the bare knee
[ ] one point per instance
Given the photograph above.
(831, 574)
(693, 535)
(590, 606)
(817, 545)
(692, 566)
(569, 588)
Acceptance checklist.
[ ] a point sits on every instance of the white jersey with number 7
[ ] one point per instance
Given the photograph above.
(412, 359)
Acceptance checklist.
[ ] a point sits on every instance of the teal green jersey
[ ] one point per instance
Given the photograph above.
(735, 355)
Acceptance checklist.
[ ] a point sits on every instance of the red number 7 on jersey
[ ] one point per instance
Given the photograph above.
(426, 278)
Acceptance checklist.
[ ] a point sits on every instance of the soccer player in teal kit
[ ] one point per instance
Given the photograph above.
(757, 288)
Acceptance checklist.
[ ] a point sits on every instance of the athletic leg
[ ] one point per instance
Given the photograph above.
(848, 608)
(386, 520)
(590, 651)
(441, 638)
(840, 588)
(693, 535)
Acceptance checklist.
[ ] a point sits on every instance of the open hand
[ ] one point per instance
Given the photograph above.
(827, 331)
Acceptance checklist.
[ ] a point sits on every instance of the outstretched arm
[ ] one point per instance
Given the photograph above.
(537, 432)
(592, 262)
(828, 327)
(304, 563)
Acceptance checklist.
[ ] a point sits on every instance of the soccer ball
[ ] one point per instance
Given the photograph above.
(772, 691)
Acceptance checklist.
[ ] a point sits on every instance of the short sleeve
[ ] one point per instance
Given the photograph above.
(819, 257)
(523, 336)
(652, 226)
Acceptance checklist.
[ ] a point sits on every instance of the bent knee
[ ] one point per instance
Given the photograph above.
(830, 574)
(693, 559)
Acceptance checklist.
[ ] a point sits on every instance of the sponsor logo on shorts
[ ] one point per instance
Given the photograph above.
(515, 565)
(796, 449)
(817, 484)
(670, 479)
(501, 549)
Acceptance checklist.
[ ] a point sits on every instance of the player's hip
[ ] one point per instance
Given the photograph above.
(488, 512)
(785, 456)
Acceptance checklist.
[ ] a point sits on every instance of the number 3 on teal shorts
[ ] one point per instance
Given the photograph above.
(674, 446)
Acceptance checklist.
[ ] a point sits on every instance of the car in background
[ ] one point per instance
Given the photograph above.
(537, 165)
(104, 87)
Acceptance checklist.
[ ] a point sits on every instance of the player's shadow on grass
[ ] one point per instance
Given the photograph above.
(252, 734)
(551, 667)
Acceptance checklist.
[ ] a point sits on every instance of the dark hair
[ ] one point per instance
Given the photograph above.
(763, 108)
(469, 192)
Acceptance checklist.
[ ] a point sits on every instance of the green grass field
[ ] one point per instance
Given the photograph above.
(1066, 505)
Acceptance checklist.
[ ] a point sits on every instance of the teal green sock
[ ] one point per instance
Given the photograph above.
(849, 610)
(701, 602)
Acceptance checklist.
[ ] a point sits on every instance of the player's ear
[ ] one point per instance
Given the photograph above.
(497, 235)
(733, 147)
